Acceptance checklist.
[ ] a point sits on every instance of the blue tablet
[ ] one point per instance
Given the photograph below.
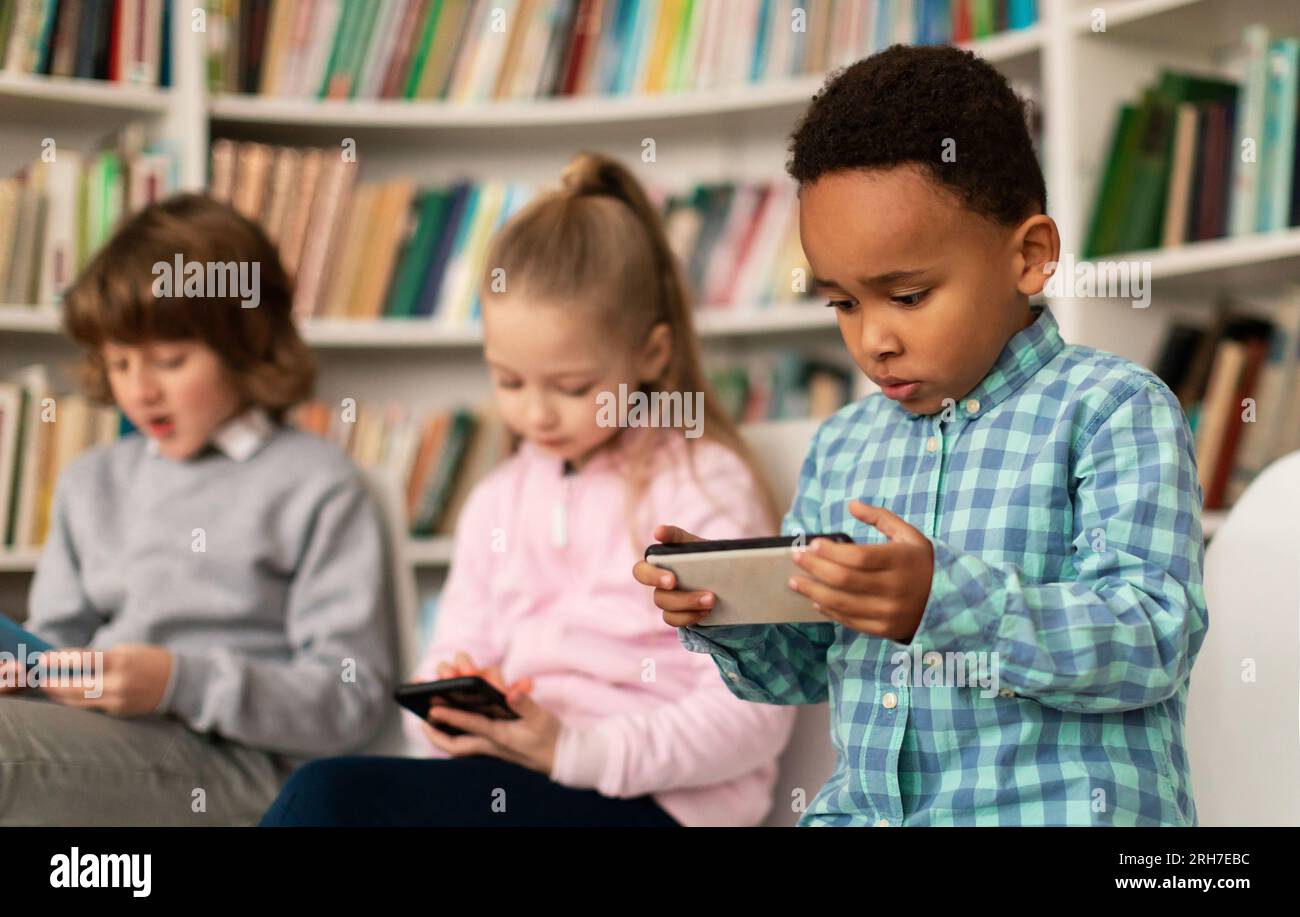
(12, 637)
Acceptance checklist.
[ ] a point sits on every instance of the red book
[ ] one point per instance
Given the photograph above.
(1256, 353)
(114, 40)
(962, 30)
(578, 45)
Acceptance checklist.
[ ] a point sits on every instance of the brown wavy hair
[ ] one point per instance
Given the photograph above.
(598, 243)
(113, 300)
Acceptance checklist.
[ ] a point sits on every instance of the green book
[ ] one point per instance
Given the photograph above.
(1112, 200)
(361, 47)
(421, 56)
(1144, 227)
(431, 211)
(111, 210)
(681, 42)
(982, 18)
(6, 22)
(342, 34)
(433, 502)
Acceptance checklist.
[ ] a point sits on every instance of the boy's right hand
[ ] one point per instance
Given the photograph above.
(680, 608)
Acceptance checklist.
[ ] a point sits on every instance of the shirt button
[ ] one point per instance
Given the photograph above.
(890, 700)
(883, 823)
(931, 444)
(1006, 692)
(972, 406)
(734, 676)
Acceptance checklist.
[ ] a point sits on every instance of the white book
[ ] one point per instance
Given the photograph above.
(526, 76)
(324, 23)
(1250, 129)
(380, 53)
(59, 244)
(492, 50)
(763, 250)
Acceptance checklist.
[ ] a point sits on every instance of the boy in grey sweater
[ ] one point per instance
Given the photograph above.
(230, 569)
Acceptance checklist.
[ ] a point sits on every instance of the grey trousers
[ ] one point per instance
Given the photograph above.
(65, 766)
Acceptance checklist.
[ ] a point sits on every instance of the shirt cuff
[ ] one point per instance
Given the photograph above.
(958, 615)
(186, 686)
(581, 757)
(722, 641)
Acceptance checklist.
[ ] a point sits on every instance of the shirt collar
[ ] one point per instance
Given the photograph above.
(1025, 353)
(239, 437)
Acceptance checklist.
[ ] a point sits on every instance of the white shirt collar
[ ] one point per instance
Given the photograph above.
(239, 437)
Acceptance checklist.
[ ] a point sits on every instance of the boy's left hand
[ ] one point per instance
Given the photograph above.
(131, 682)
(878, 589)
(528, 741)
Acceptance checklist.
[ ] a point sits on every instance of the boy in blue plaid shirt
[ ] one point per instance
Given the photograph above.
(1019, 507)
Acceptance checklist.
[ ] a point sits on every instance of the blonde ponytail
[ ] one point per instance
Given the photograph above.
(598, 243)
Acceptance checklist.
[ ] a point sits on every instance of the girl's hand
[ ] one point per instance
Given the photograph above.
(463, 666)
(681, 609)
(877, 589)
(528, 741)
(130, 682)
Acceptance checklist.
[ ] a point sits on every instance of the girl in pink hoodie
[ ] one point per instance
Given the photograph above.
(583, 307)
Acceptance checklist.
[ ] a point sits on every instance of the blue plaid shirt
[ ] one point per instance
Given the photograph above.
(1048, 679)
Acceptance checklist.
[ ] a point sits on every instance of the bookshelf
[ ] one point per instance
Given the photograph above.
(1077, 75)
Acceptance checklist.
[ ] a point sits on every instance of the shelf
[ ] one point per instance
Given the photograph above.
(1241, 263)
(425, 333)
(787, 93)
(19, 561)
(42, 97)
(1199, 26)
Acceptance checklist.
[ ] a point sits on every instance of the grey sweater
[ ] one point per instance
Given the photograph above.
(264, 621)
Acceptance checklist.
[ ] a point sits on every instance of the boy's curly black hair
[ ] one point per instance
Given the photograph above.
(901, 105)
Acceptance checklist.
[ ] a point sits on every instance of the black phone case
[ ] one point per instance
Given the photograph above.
(738, 544)
(470, 693)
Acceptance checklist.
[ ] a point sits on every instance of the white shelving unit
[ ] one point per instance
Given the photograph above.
(739, 133)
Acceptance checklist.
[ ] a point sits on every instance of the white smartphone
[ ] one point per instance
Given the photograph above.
(747, 576)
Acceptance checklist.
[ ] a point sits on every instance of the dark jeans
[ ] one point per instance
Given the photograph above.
(480, 791)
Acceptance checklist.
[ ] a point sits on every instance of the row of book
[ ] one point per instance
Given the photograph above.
(59, 210)
(39, 434)
(436, 457)
(368, 250)
(785, 384)
(1238, 379)
(125, 41)
(1203, 158)
(477, 50)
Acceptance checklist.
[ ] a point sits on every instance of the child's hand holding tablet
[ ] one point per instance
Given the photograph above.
(879, 589)
(720, 583)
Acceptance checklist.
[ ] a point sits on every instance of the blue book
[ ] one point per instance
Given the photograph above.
(1021, 13)
(443, 249)
(760, 42)
(882, 36)
(613, 45)
(1277, 151)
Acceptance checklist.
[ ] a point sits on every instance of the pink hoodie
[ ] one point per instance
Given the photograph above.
(541, 584)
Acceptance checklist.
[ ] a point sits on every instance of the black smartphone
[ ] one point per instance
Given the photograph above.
(470, 693)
